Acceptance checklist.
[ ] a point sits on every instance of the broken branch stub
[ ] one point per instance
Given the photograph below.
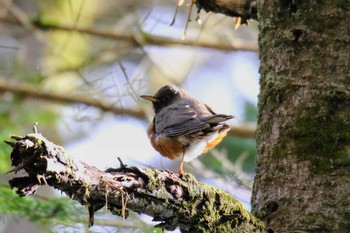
(245, 9)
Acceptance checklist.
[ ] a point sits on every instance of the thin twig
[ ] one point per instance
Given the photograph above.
(178, 4)
(126, 76)
(188, 19)
(8, 47)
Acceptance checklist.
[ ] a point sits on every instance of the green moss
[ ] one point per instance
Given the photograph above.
(320, 137)
(321, 133)
(206, 206)
(343, 4)
(315, 25)
(154, 181)
(279, 151)
(339, 97)
(275, 91)
(206, 211)
(189, 178)
(86, 187)
(329, 202)
(346, 213)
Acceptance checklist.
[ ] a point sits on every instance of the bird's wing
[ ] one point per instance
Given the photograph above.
(177, 120)
(183, 119)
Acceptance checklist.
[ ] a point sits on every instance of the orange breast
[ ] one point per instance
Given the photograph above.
(168, 147)
(172, 148)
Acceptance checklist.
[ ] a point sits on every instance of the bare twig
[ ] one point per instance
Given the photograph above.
(127, 79)
(188, 18)
(178, 4)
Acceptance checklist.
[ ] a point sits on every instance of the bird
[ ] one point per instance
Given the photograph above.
(183, 127)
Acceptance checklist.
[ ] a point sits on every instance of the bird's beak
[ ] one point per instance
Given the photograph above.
(150, 98)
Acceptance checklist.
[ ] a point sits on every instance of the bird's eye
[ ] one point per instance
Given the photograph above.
(165, 99)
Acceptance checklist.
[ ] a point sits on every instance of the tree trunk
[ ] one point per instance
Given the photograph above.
(303, 138)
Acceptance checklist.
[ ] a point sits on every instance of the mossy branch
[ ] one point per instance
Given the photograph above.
(171, 199)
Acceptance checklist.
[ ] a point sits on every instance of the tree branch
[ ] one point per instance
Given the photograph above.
(172, 200)
(245, 9)
(31, 92)
(140, 39)
(243, 131)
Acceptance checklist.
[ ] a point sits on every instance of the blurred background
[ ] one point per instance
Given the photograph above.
(78, 68)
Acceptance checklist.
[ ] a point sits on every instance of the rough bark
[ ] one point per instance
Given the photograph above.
(170, 199)
(303, 137)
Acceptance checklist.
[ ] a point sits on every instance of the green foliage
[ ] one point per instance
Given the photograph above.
(17, 112)
(17, 117)
(42, 211)
(240, 152)
(22, 72)
(157, 230)
(4, 156)
(250, 112)
(57, 213)
(239, 146)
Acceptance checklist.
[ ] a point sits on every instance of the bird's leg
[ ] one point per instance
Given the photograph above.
(237, 22)
(181, 171)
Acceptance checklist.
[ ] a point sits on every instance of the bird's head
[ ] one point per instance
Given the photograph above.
(164, 97)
